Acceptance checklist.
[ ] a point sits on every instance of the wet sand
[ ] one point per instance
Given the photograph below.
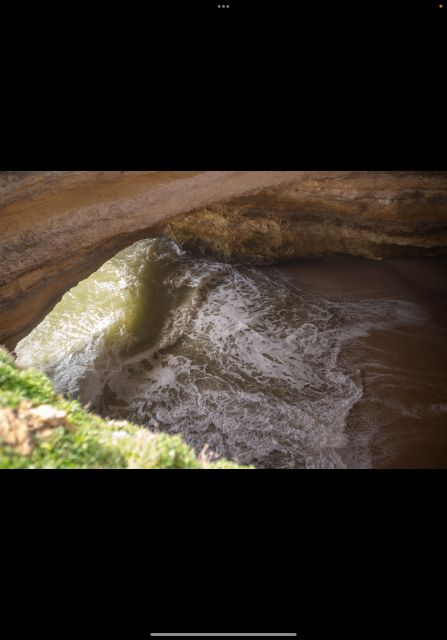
(401, 420)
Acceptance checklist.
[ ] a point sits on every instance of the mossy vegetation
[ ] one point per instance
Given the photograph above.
(87, 441)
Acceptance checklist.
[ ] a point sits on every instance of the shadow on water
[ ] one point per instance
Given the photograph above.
(156, 288)
(153, 300)
(107, 319)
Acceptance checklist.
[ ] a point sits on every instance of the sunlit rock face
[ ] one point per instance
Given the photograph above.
(374, 215)
(57, 228)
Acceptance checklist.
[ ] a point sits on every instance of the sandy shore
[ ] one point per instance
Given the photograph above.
(401, 420)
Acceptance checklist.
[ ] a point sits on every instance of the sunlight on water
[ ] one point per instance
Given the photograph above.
(234, 357)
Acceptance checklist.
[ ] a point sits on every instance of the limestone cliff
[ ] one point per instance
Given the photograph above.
(373, 215)
(58, 227)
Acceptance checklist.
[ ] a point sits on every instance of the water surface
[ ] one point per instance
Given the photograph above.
(253, 362)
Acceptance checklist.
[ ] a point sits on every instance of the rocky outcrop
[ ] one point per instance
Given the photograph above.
(374, 215)
(56, 228)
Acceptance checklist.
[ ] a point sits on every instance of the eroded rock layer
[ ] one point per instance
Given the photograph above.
(56, 228)
(363, 214)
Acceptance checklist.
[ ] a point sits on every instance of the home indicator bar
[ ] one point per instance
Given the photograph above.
(237, 635)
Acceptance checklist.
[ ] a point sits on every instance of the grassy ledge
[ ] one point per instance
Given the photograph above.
(77, 438)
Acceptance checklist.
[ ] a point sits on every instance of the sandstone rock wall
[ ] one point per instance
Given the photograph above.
(56, 228)
(363, 214)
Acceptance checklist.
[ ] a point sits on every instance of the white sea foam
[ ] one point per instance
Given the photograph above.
(240, 360)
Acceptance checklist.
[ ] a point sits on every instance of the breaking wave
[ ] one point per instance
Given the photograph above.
(233, 357)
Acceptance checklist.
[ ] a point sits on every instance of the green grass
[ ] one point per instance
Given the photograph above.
(95, 443)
